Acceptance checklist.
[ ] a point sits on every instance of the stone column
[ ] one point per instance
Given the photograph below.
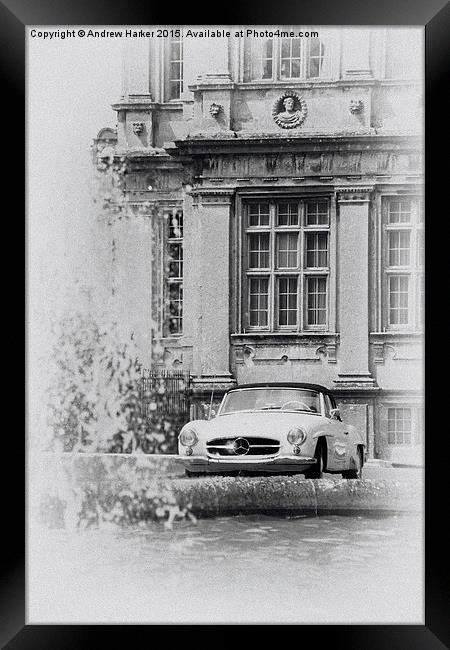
(209, 302)
(135, 108)
(353, 287)
(212, 88)
(356, 53)
(218, 66)
(136, 82)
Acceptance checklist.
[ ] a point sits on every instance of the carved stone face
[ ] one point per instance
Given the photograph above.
(138, 127)
(356, 105)
(214, 109)
(288, 104)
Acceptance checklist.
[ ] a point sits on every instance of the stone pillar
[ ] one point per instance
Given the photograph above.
(136, 82)
(356, 53)
(209, 302)
(218, 66)
(135, 108)
(212, 89)
(353, 287)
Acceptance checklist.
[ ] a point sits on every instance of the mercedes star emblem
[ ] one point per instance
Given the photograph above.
(241, 446)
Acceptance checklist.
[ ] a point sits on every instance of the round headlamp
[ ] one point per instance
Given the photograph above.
(188, 438)
(296, 436)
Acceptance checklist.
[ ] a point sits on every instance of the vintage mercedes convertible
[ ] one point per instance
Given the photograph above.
(273, 428)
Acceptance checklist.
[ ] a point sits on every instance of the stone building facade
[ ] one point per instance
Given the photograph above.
(281, 181)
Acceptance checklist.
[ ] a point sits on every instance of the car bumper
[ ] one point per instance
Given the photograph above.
(288, 463)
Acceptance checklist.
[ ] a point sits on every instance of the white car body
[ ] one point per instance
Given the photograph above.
(256, 439)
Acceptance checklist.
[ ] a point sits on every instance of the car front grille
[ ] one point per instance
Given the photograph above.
(240, 446)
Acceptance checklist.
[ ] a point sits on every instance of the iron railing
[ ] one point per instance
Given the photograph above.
(165, 394)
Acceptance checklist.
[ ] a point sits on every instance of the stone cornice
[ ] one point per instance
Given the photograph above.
(302, 142)
(273, 338)
(212, 196)
(324, 83)
(142, 152)
(206, 191)
(391, 334)
(213, 84)
(150, 105)
(354, 194)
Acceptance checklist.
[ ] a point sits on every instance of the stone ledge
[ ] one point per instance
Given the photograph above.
(220, 495)
(64, 476)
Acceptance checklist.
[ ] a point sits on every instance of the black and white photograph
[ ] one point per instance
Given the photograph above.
(226, 272)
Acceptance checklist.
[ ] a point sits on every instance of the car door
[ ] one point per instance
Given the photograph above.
(338, 439)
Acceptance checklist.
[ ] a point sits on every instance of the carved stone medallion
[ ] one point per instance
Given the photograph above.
(289, 110)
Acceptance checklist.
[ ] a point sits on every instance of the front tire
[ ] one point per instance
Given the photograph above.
(317, 470)
(355, 473)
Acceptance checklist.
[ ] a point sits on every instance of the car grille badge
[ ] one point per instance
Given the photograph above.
(241, 446)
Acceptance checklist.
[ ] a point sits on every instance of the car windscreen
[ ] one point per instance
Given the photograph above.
(267, 399)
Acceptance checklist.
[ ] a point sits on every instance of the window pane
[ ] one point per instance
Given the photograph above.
(316, 53)
(295, 69)
(267, 69)
(399, 248)
(317, 213)
(285, 48)
(175, 225)
(175, 255)
(173, 272)
(175, 308)
(175, 71)
(314, 47)
(287, 301)
(258, 58)
(258, 214)
(290, 58)
(316, 301)
(175, 90)
(268, 48)
(266, 59)
(175, 50)
(258, 251)
(399, 426)
(258, 302)
(287, 214)
(175, 68)
(295, 48)
(398, 300)
(287, 247)
(317, 250)
(399, 211)
(314, 67)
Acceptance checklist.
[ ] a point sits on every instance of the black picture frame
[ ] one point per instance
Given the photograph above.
(15, 15)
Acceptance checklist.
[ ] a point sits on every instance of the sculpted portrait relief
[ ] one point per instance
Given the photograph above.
(289, 110)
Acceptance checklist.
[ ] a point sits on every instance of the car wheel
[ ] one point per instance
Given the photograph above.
(357, 471)
(317, 470)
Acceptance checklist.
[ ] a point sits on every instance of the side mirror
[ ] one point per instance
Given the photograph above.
(335, 414)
